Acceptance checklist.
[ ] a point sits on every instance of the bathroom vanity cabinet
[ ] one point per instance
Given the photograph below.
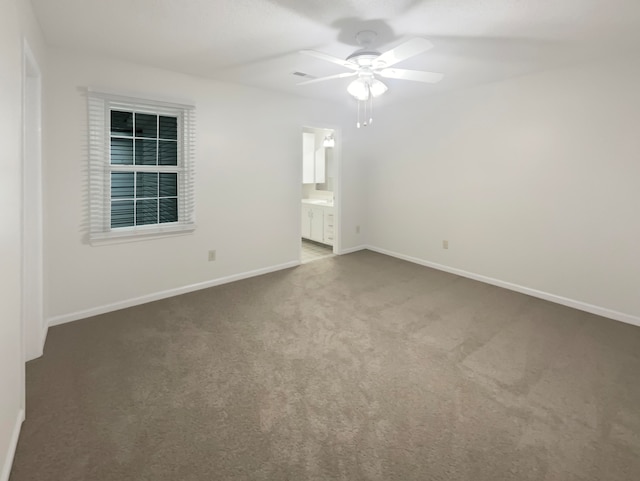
(317, 222)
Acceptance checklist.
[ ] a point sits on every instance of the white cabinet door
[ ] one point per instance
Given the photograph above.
(306, 221)
(317, 224)
(308, 158)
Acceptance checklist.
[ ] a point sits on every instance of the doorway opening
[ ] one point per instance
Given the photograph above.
(320, 194)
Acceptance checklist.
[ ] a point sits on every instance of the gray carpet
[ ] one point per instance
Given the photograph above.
(359, 367)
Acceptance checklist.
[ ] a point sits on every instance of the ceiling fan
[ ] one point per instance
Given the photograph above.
(366, 64)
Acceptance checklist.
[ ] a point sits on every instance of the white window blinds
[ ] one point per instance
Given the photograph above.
(141, 167)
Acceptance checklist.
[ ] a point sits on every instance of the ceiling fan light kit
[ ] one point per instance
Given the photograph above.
(366, 64)
(363, 88)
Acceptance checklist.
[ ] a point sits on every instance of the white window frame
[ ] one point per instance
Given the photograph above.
(100, 105)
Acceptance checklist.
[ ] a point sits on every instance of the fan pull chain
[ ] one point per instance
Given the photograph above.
(365, 110)
(370, 107)
(364, 122)
(366, 104)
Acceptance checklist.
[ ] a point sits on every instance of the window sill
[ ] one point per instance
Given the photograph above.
(137, 234)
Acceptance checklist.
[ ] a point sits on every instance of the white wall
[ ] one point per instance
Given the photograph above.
(353, 166)
(533, 181)
(248, 167)
(16, 24)
(10, 199)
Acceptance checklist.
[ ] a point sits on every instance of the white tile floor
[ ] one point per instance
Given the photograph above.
(312, 251)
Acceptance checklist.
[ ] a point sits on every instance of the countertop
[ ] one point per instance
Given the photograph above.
(325, 203)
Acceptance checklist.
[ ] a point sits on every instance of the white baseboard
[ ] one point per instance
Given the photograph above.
(43, 338)
(95, 311)
(13, 444)
(36, 355)
(352, 249)
(600, 311)
(583, 306)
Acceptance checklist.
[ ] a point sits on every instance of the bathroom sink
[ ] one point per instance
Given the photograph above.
(317, 202)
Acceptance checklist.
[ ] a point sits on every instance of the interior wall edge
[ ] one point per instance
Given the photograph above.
(136, 301)
(8, 461)
(547, 296)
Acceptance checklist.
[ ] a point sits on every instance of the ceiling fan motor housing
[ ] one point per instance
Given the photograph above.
(364, 58)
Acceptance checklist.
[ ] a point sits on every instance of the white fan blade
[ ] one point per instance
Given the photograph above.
(416, 75)
(330, 77)
(330, 58)
(402, 52)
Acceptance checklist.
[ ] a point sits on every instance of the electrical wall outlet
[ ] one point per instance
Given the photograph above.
(212, 255)
(357, 229)
(445, 244)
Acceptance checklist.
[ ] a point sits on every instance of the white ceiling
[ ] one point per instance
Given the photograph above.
(256, 42)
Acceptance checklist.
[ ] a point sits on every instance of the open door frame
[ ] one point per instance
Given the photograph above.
(337, 192)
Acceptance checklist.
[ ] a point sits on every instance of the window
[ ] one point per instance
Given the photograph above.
(140, 167)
